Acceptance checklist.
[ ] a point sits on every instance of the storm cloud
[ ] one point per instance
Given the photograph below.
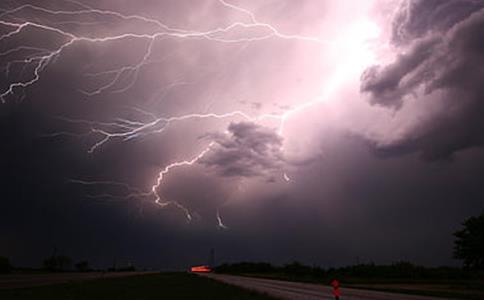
(440, 67)
(417, 18)
(246, 150)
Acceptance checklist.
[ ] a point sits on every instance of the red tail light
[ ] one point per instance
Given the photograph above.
(201, 269)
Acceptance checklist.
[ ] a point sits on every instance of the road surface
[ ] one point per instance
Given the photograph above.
(307, 291)
(12, 281)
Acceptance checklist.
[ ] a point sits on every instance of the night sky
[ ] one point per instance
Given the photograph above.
(329, 132)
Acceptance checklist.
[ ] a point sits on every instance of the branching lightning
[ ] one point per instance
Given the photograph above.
(38, 59)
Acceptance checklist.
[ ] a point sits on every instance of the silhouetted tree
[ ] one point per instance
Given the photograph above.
(82, 266)
(246, 268)
(57, 263)
(5, 266)
(469, 243)
(63, 262)
(296, 269)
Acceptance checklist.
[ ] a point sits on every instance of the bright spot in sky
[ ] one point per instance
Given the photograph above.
(356, 43)
(352, 53)
(286, 177)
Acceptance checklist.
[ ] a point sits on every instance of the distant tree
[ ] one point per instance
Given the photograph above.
(246, 268)
(296, 269)
(127, 269)
(50, 264)
(63, 262)
(5, 266)
(57, 263)
(82, 266)
(469, 243)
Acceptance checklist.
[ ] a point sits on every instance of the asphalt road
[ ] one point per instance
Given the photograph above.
(13, 281)
(307, 291)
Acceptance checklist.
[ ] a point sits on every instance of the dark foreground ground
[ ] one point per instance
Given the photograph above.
(139, 287)
(449, 288)
(27, 280)
(288, 290)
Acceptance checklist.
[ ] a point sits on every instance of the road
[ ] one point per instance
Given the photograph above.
(307, 291)
(13, 281)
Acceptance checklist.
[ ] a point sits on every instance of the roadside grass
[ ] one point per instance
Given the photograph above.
(153, 286)
(453, 291)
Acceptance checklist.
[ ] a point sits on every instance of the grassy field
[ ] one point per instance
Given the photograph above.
(156, 286)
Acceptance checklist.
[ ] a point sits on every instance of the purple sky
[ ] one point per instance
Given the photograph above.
(319, 131)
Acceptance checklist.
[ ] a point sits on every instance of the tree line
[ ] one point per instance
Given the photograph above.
(298, 271)
(468, 247)
(63, 263)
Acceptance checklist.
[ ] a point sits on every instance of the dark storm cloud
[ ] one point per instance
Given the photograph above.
(443, 68)
(420, 17)
(389, 84)
(247, 150)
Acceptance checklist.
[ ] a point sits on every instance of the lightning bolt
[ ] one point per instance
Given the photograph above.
(127, 129)
(220, 223)
(42, 61)
(165, 171)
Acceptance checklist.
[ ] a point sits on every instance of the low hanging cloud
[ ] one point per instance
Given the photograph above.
(439, 68)
(246, 150)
